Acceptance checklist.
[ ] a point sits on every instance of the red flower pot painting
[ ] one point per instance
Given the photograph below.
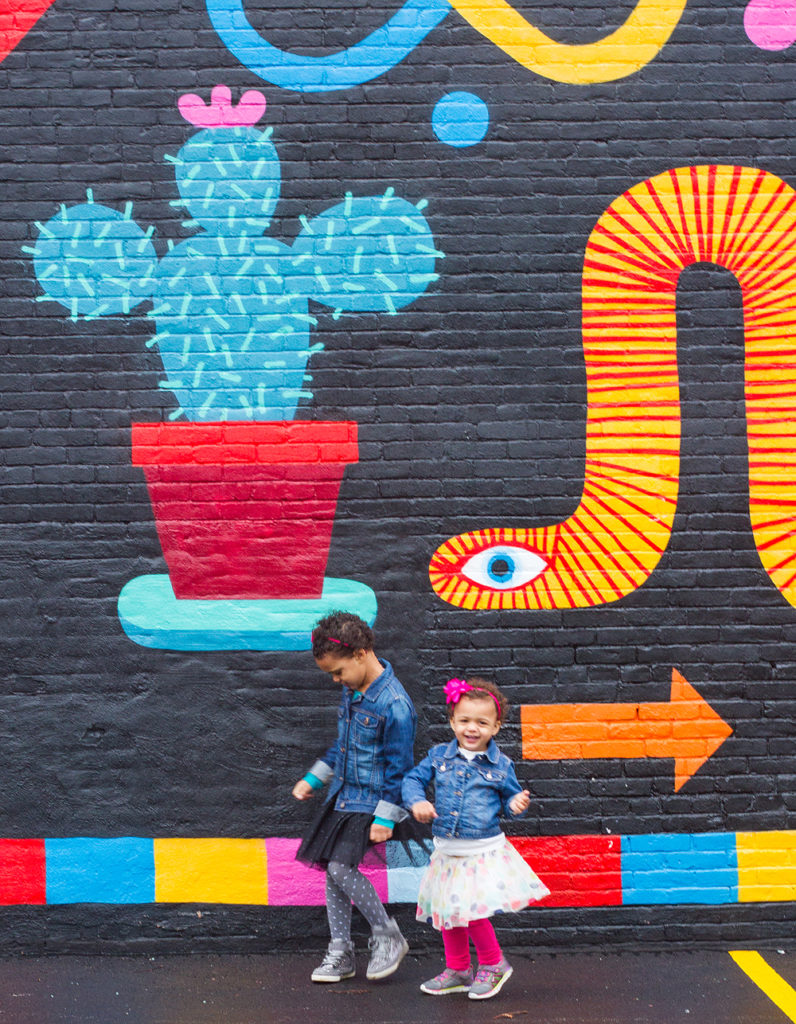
(245, 510)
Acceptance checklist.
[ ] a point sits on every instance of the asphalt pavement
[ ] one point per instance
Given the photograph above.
(699, 987)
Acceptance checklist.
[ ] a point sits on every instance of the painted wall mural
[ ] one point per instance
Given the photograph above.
(672, 869)
(622, 53)
(685, 728)
(771, 24)
(16, 20)
(742, 219)
(606, 349)
(244, 515)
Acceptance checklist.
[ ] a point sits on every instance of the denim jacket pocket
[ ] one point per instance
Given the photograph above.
(491, 773)
(365, 725)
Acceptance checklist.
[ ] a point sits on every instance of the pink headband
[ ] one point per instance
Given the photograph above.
(455, 689)
(331, 640)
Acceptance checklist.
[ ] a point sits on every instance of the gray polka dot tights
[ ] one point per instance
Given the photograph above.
(346, 886)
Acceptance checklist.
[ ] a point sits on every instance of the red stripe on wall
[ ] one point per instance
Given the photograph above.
(579, 871)
(22, 872)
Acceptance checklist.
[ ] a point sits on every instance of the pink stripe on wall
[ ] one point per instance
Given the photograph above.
(292, 884)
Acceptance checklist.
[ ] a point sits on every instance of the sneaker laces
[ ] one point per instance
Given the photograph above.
(333, 958)
(490, 973)
(449, 973)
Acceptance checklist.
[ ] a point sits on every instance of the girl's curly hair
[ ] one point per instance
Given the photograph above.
(341, 633)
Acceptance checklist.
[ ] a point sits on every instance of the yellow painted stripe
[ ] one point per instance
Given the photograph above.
(211, 871)
(766, 866)
(767, 980)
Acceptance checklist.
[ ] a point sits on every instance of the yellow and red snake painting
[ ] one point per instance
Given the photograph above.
(742, 219)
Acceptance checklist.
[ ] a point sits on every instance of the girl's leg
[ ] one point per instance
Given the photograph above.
(338, 910)
(458, 974)
(359, 891)
(338, 963)
(387, 946)
(457, 948)
(493, 968)
(485, 941)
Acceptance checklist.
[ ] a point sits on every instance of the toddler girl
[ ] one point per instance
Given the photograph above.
(364, 766)
(474, 872)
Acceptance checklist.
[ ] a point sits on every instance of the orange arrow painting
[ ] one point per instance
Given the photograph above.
(685, 727)
(17, 18)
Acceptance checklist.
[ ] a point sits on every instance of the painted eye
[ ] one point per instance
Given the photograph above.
(503, 567)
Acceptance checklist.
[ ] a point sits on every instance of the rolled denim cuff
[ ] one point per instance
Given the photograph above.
(322, 772)
(384, 822)
(389, 812)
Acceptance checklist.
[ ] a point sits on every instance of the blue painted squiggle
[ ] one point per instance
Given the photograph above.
(367, 59)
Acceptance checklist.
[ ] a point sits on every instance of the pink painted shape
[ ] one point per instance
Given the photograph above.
(292, 884)
(374, 867)
(221, 113)
(771, 24)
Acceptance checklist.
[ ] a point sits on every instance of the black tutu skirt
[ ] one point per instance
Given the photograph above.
(344, 836)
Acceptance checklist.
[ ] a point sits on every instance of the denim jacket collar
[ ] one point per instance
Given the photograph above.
(492, 753)
(374, 690)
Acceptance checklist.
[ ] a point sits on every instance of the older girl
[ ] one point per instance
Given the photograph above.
(364, 768)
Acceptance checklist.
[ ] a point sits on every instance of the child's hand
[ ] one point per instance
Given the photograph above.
(520, 803)
(424, 811)
(379, 833)
(303, 790)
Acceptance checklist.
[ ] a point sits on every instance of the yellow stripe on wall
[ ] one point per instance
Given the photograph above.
(211, 871)
(766, 866)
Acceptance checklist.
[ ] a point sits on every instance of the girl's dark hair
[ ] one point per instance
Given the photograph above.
(483, 688)
(341, 633)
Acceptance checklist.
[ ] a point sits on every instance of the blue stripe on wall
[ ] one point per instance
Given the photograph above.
(680, 868)
(100, 870)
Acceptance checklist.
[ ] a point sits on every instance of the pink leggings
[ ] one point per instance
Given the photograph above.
(457, 945)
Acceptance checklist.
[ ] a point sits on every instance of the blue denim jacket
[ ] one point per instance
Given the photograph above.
(470, 796)
(373, 751)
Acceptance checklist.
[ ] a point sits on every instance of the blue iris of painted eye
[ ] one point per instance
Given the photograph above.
(504, 567)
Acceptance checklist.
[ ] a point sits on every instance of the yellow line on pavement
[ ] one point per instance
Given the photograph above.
(766, 978)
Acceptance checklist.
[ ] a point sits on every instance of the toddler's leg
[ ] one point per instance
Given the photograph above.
(458, 974)
(485, 941)
(457, 948)
(494, 970)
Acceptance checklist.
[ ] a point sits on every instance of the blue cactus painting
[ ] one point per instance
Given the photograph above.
(230, 305)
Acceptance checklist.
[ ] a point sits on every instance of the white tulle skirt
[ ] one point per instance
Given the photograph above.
(457, 890)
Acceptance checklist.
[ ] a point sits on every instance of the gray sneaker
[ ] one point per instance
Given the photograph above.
(387, 949)
(338, 963)
(490, 980)
(447, 982)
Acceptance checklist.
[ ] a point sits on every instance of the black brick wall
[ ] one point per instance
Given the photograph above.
(471, 411)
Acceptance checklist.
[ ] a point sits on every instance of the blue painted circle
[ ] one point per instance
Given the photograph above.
(460, 119)
(502, 575)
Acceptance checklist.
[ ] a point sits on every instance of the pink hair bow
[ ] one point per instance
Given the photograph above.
(455, 690)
